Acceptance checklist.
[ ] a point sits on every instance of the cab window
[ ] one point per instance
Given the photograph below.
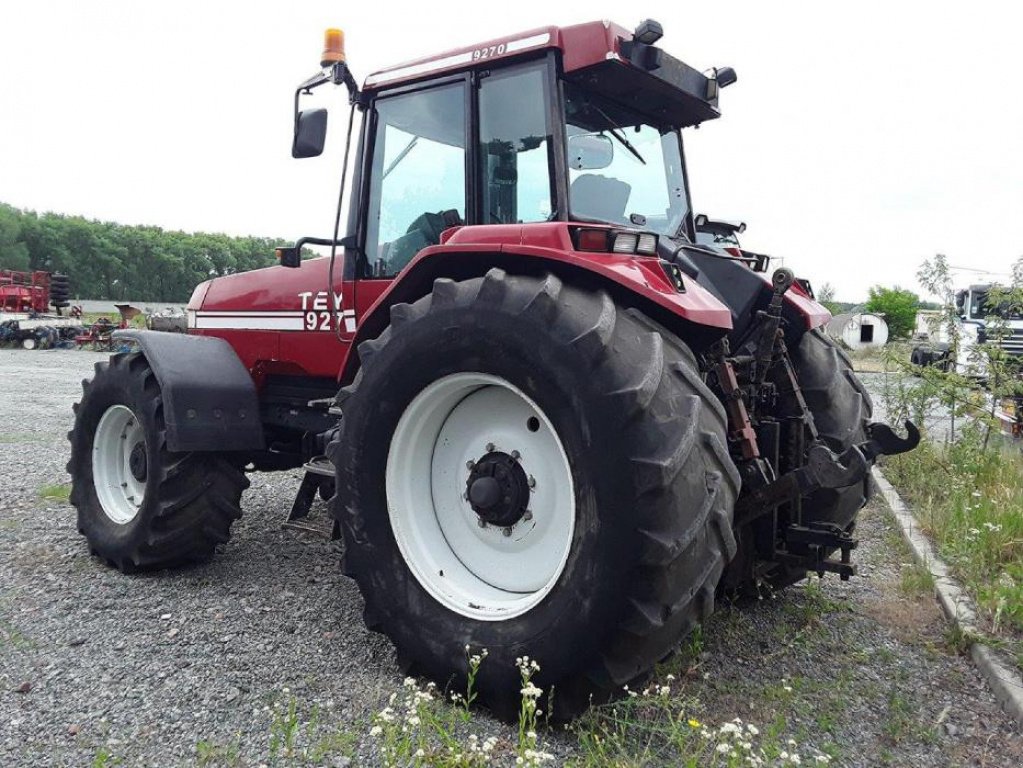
(417, 186)
(515, 146)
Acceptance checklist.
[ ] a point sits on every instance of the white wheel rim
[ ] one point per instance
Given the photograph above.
(490, 573)
(29, 343)
(120, 493)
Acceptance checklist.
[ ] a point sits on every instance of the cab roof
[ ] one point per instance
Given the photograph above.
(592, 54)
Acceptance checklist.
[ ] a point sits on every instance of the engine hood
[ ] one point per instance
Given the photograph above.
(270, 289)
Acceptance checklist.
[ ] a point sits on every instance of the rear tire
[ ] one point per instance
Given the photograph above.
(139, 505)
(650, 487)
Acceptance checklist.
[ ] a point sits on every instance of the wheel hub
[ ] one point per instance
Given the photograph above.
(498, 489)
(137, 462)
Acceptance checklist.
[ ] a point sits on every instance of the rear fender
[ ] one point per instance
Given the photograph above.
(209, 398)
(801, 303)
(695, 314)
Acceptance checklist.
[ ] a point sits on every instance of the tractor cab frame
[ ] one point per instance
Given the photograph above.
(551, 125)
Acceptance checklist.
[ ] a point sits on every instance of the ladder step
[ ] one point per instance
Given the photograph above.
(319, 465)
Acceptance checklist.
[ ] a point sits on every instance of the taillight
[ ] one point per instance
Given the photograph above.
(608, 241)
(591, 240)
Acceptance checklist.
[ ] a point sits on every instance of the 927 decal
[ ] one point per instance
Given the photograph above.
(316, 321)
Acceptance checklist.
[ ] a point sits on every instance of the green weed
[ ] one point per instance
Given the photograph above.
(59, 492)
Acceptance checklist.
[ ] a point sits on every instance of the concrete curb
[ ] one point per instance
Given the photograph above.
(1005, 682)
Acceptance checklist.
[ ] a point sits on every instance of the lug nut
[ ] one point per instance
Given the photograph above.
(507, 531)
(516, 455)
(490, 447)
(532, 482)
(481, 522)
(470, 464)
(527, 515)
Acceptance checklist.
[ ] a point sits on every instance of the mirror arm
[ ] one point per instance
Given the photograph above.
(338, 74)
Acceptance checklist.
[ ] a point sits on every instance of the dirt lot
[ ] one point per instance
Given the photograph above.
(193, 666)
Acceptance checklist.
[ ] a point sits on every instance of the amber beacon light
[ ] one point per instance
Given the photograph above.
(333, 47)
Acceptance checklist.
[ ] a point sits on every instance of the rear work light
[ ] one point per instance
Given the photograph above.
(625, 242)
(608, 241)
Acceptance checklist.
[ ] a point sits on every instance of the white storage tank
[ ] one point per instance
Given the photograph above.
(858, 330)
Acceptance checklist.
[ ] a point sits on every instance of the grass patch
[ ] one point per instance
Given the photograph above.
(971, 503)
(88, 318)
(13, 438)
(58, 492)
(11, 637)
(209, 754)
(916, 581)
(424, 727)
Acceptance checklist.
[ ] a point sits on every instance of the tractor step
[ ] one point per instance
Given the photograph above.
(319, 465)
(318, 473)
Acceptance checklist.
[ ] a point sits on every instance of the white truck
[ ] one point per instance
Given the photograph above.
(973, 325)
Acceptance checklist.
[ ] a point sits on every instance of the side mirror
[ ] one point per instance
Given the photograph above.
(590, 152)
(310, 133)
(961, 303)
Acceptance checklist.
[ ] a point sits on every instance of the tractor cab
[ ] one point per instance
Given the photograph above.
(569, 124)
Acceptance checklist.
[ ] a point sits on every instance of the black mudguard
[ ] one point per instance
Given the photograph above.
(209, 398)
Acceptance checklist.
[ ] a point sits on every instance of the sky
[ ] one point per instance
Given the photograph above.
(860, 139)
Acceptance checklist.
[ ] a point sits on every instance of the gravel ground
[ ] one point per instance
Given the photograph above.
(192, 666)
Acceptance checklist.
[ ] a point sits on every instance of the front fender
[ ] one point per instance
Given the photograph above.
(209, 398)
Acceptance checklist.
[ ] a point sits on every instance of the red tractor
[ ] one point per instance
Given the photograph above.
(548, 421)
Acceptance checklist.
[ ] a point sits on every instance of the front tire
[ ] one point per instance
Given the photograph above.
(139, 505)
(624, 474)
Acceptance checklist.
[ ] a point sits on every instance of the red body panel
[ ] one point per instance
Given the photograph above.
(278, 320)
(551, 241)
(814, 313)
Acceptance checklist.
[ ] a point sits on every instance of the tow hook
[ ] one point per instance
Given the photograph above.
(883, 440)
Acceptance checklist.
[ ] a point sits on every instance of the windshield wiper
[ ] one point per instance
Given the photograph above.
(401, 156)
(619, 134)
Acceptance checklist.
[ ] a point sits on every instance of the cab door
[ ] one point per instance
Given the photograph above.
(417, 185)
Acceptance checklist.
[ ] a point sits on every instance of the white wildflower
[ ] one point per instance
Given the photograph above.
(530, 691)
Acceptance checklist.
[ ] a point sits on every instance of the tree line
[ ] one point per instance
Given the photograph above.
(106, 260)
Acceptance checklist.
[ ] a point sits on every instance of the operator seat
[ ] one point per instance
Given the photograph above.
(600, 197)
(424, 231)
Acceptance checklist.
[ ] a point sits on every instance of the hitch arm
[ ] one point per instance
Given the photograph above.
(823, 469)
